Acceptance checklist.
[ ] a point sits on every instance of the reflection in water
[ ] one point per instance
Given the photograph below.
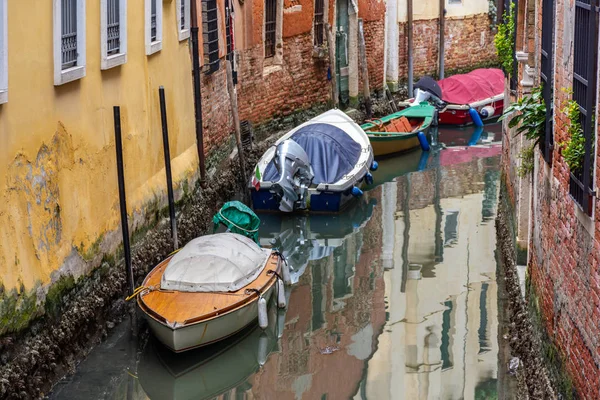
(394, 299)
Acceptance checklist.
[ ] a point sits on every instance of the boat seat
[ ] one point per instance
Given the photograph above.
(399, 125)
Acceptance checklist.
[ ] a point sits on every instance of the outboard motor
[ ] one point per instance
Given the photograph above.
(295, 175)
(427, 89)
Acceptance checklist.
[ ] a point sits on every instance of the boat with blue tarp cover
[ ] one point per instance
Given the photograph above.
(318, 166)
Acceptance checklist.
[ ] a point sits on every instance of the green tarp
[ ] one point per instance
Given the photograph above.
(238, 218)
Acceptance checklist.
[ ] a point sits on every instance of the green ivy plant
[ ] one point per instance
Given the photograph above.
(528, 115)
(573, 149)
(504, 39)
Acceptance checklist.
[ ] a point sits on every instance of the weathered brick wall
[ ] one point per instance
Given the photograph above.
(564, 264)
(469, 41)
(300, 82)
(217, 120)
(374, 39)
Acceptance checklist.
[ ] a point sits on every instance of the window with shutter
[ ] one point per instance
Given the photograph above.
(584, 93)
(547, 76)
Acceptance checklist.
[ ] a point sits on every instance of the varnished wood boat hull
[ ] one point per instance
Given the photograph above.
(188, 337)
(393, 144)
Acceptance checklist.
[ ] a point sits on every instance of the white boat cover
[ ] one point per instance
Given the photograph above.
(224, 262)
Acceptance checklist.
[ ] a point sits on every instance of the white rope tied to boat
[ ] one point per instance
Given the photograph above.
(239, 227)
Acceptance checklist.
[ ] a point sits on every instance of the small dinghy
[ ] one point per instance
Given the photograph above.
(463, 99)
(398, 132)
(209, 290)
(318, 166)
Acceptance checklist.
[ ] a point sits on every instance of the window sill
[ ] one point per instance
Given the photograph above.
(585, 220)
(153, 47)
(184, 34)
(3, 96)
(269, 69)
(69, 75)
(113, 60)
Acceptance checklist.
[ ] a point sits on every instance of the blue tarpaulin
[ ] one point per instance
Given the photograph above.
(331, 151)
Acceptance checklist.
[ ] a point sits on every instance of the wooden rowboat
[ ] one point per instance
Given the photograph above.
(397, 132)
(182, 310)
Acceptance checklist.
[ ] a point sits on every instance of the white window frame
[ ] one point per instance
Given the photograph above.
(110, 61)
(185, 32)
(78, 71)
(3, 51)
(153, 47)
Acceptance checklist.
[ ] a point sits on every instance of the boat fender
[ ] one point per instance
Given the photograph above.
(487, 112)
(280, 323)
(285, 273)
(369, 178)
(281, 303)
(356, 192)
(263, 349)
(475, 136)
(263, 318)
(423, 141)
(423, 161)
(374, 166)
(475, 117)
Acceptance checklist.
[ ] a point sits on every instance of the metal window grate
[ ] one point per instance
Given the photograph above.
(210, 35)
(514, 74)
(153, 20)
(319, 25)
(229, 37)
(69, 33)
(270, 27)
(114, 27)
(584, 93)
(182, 11)
(546, 75)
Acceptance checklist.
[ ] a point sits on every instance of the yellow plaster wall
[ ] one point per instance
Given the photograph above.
(58, 179)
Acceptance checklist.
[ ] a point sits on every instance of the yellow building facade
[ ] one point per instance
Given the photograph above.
(58, 178)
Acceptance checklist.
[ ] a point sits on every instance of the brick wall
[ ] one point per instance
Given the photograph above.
(564, 248)
(374, 39)
(217, 121)
(300, 82)
(469, 41)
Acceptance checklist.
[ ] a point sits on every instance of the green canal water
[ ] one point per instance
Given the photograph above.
(394, 299)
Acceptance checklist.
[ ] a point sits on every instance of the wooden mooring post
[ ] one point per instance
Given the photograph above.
(335, 97)
(236, 117)
(362, 50)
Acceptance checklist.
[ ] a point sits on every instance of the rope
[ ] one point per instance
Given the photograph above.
(139, 290)
(239, 227)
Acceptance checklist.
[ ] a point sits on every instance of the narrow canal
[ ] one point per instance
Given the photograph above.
(394, 299)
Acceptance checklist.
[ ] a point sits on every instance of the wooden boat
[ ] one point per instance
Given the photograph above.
(397, 132)
(481, 90)
(208, 291)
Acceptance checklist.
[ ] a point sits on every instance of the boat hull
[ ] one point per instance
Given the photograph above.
(325, 202)
(458, 114)
(398, 143)
(203, 333)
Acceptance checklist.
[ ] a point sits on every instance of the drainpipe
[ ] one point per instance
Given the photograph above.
(409, 7)
(442, 37)
(197, 93)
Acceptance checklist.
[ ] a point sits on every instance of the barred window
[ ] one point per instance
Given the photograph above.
(546, 76)
(585, 59)
(319, 25)
(3, 52)
(183, 18)
(270, 27)
(113, 28)
(210, 35)
(69, 40)
(154, 17)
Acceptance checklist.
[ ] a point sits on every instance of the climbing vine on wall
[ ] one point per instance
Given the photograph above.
(504, 39)
(528, 115)
(573, 149)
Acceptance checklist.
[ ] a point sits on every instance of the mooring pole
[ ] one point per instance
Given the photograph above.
(442, 37)
(122, 201)
(236, 117)
(332, 65)
(165, 135)
(197, 93)
(410, 78)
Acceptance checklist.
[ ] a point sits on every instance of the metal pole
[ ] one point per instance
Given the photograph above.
(197, 93)
(442, 36)
(122, 201)
(165, 135)
(409, 7)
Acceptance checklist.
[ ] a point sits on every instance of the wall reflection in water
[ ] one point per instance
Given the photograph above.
(395, 299)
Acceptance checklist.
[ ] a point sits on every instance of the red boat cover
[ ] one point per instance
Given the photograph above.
(477, 85)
